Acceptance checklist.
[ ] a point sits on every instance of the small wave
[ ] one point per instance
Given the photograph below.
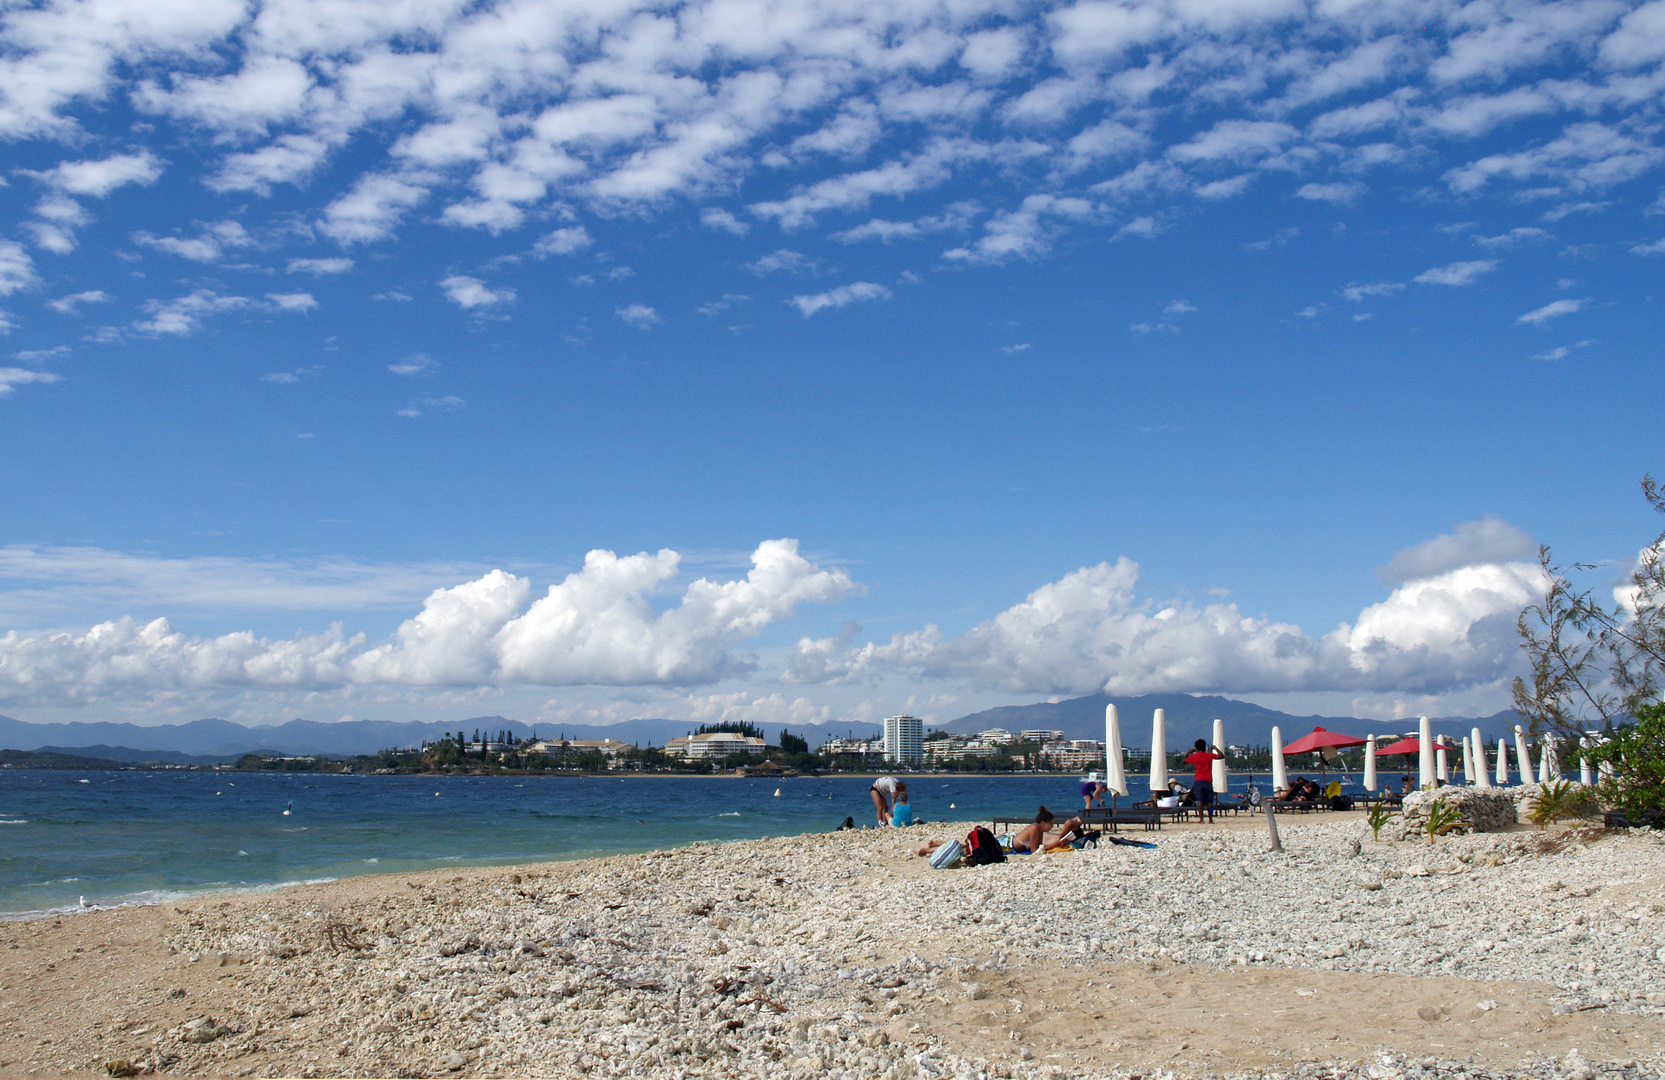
(372, 860)
(156, 897)
(729, 813)
(19, 821)
(242, 853)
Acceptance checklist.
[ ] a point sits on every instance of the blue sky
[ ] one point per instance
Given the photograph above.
(827, 360)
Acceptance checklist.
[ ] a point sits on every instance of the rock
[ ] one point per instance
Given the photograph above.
(451, 1062)
(121, 1067)
(1574, 1067)
(1485, 1006)
(1429, 1013)
(203, 1029)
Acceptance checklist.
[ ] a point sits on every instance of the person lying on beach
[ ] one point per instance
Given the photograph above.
(884, 792)
(1041, 836)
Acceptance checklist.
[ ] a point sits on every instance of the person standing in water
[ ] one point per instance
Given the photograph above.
(884, 792)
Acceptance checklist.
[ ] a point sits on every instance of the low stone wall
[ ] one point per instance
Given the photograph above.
(1526, 796)
(1482, 810)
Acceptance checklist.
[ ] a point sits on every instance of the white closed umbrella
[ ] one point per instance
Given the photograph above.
(1552, 760)
(1523, 760)
(1502, 762)
(1280, 771)
(1425, 754)
(1115, 773)
(1468, 761)
(1220, 764)
(1480, 777)
(1159, 753)
(1370, 763)
(1586, 775)
(1442, 765)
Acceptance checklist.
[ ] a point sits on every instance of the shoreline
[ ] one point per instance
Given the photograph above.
(828, 953)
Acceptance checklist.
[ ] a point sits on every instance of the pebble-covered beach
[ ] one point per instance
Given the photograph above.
(1519, 953)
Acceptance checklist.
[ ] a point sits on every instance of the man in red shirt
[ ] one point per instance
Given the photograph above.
(1202, 787)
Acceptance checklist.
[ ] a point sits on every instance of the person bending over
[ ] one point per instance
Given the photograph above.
(1093, 791)
(884, 792)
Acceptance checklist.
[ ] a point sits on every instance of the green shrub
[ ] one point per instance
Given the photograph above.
(1442, 818)
(1560, 800)
(1379, 816)
(1634, 753)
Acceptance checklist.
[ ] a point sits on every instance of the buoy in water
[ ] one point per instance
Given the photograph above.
(777, 793)
(289, 809)
(950, 806)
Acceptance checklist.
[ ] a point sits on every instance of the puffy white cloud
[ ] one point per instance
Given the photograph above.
(1090, 631)
(211, 242)
(1357, 291)
(722, 220)
(638, 315)
(184, 315)
(843, 296)
(562, 241)
(1458, 273)
(295, 302)
(372, 209)
(415, 364)
(1344, 194)
(598, 626)
(782, 261)
(99, 178)
(470, 293)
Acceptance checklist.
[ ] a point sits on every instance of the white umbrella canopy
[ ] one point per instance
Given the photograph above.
(1468, 761)
(1550, 761)
(1480, 777)
(1523, 760)
(1280, 770)
(1115, 773)
(1219, 770)
(1442, 763)
(1370, 763)
(1159, 752)
(1425, 754)
(1502, 762)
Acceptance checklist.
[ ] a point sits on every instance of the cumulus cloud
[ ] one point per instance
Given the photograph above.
(723, 221)
(17, 269)
(210, 243)
(1458, 273)
(470, 293)
(562, 241)
(67, 304)
(1090, 631)
(295, 302)
(184, 315)
(843, 296)
(1340, 194)
(1473, 543)
(638, 315)
(601, 625)
(320, 267)
(415, 364)
(1357, 291)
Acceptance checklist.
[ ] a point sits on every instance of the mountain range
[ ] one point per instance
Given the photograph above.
(1188, 717)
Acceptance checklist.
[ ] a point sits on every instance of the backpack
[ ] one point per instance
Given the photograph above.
(981, 848)
(1341, 802)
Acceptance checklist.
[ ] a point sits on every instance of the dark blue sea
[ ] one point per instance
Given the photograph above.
(132, 837)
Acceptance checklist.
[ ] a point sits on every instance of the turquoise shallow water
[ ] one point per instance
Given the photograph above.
(140, 837)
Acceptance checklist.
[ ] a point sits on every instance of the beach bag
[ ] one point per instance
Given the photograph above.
(1341, 802)
(982, 848)
(947, 855)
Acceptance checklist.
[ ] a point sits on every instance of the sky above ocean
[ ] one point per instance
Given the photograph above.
(803, 362)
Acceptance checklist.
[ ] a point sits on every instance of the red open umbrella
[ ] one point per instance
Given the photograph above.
(1319, 739)
(1411, 744)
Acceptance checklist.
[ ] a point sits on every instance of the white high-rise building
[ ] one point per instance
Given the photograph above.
(904, 739)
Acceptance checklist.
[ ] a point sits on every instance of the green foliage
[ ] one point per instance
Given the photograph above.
(1635, 755)
(1379, 816)
(791, 744)
(1559, 800)
(1442, 818)
(740, 727)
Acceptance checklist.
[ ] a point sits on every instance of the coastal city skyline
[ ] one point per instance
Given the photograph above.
(806, 365)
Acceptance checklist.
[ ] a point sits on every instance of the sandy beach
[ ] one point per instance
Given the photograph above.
(844, 955)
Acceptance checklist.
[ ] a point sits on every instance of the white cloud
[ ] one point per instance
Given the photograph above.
(1090, 631)
(296, 302)
(638, 315)
(17, 269)
(289, 378)
(99, 178)
(211, 242)
(470, 293)
(1561, 352)
(783, 261)
(419, 406)
(1458, 273)
(415, 364)
(1344, 194)
(184, 315)
(602, 625)
(67, 304)
(320, 267)
(1358, 290)
(373, 208)
(1516, 237)
(727, 301)
(1540, 317)
(843, 296)
(562, 242)
(1655, 248)
(714, 218)
(1179, 307)
(11, 378)
(32, 356)
(1473, 543)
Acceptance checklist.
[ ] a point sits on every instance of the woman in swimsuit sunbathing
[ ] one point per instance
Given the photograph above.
(1035, 837)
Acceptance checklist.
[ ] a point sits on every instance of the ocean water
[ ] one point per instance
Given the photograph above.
(129, 837)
